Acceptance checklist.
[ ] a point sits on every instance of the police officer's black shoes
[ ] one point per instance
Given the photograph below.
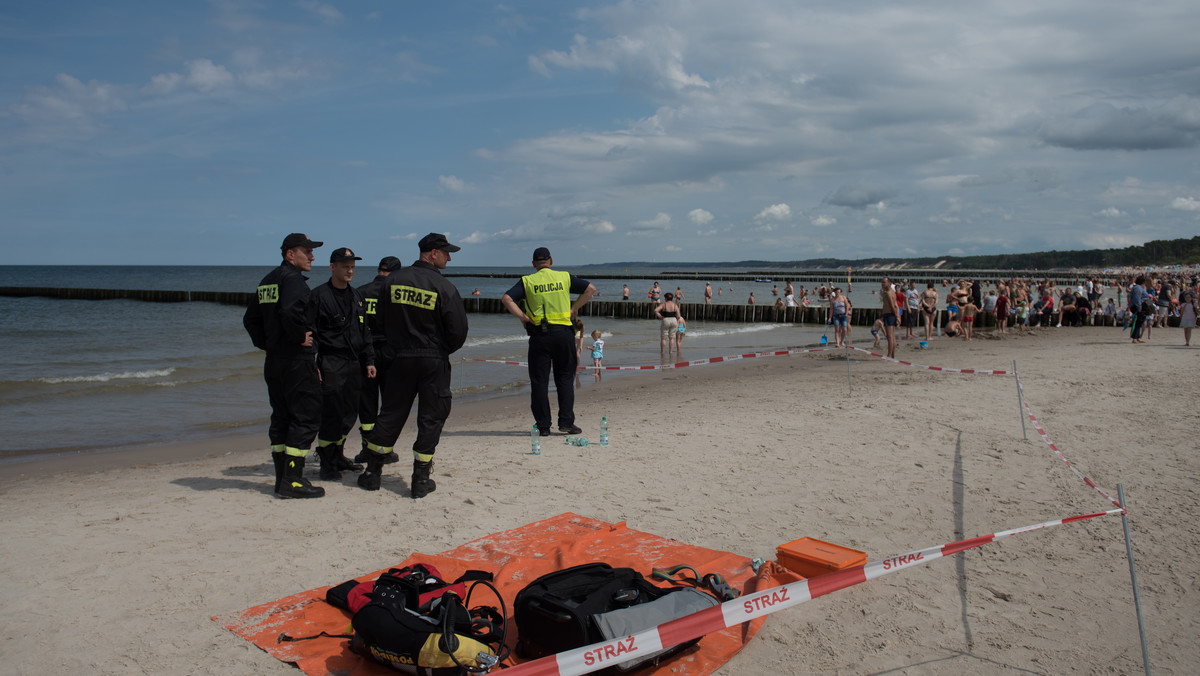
(569, 429)
(421, 484)
(293, 484)
(329, 469)
(372, 478)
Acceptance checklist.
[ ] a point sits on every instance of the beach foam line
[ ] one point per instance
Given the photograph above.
(1037, 425)
(106, 377)
(752, 606)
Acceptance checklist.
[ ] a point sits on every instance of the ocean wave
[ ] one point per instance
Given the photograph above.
(494, 340)
(733, 330)
(107, 377)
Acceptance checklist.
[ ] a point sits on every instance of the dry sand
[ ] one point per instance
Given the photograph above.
(114, 564)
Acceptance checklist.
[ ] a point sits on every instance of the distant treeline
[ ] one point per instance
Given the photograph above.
(1157, 252)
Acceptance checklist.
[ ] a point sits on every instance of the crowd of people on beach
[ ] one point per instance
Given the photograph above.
(1016, 303)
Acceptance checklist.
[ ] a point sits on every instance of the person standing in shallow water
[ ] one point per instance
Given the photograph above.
(280, 320)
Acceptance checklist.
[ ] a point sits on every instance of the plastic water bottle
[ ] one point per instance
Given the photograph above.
(577, 441)
(604, 430)
(535, 440)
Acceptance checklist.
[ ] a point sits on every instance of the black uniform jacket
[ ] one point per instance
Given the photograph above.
(280, 313)
(342, 323)
(422, 313)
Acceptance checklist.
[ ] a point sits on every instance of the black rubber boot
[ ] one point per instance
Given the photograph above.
(277, 458)
(328, 458)
(366, 454)
(294, 485)
(421, 484)
(341, 462)
(373, 476)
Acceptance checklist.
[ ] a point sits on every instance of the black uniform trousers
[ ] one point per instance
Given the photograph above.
(425, 380)
(553, 349)
(341, 385)
(372, 388)
(295, 395)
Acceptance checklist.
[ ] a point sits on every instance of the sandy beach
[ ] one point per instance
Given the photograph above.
(115, 563)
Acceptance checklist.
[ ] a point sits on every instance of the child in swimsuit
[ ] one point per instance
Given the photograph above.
(597, 349)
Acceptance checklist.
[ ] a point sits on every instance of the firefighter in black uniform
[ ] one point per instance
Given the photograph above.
(343, 346)
(368, 401)
(280, 321)
(425, 322)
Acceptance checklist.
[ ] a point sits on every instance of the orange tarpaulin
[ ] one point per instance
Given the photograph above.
(516, 557)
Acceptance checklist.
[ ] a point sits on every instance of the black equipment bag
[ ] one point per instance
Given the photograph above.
(415, 622)
(595, 602)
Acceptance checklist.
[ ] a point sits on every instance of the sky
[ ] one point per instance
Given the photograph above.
(201, 133)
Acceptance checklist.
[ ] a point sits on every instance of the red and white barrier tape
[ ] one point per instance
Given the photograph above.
(943, 369)
(751, 606)
(1037, 425)
(676, 365)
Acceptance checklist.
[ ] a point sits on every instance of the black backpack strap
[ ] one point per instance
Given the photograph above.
(713, 582)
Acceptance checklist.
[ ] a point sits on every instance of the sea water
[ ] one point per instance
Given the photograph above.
(84, 375)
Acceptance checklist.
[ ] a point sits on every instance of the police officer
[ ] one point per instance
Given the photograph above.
(343, 346)
(280, 321)
(548, 319)
(425, 322)
(368, 400)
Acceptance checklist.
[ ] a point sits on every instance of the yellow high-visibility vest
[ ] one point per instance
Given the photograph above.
(548, 296)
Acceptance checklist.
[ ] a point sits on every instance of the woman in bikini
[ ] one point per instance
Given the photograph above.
(929, 301)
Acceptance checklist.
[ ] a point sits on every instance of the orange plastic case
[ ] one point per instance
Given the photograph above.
(812, 557)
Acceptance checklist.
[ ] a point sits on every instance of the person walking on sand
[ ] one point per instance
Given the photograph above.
(1137, 296)
(669, 316)
(1187, 315)
(839, 316)
(891, 315)
(425, 322)
(548, 318)
(279, 320)
(343, 347)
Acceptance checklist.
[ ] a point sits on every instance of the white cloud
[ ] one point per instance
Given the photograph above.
(1186, 204)
(874, 222)
(453, 184)
(657, 224)
(204, 75)
(700, 216)
(327, 13)
(776, 212)
(822, 221)
(600, 227)
(1110, 212)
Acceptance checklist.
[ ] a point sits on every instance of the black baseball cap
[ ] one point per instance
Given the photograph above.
(436, 241)
(390, 263)
(343, 254)
(299, 239)
(541, 254)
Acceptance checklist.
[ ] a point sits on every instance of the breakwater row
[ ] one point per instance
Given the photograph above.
(699, 312)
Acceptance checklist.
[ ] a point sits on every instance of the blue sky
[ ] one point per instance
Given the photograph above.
(203, 132)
